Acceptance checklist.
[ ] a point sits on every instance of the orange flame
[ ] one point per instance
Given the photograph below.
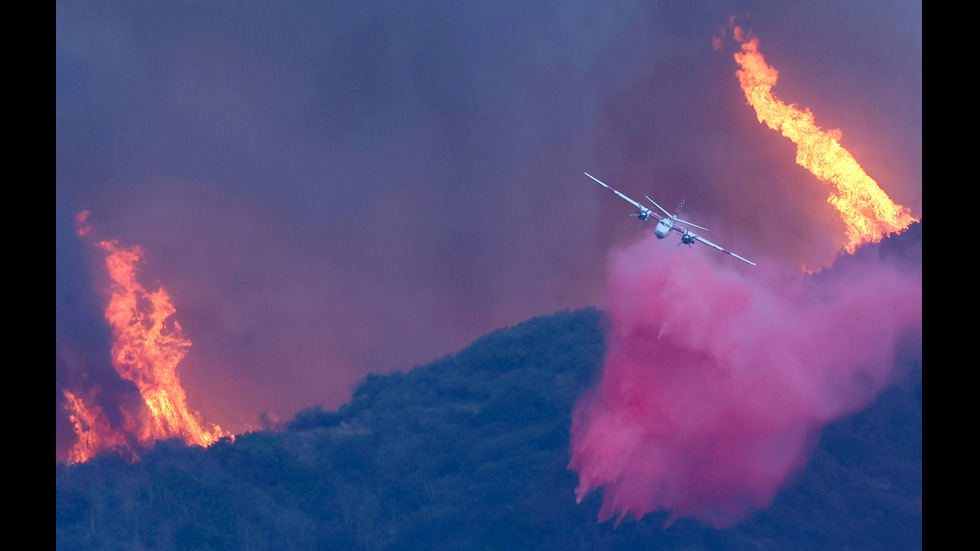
(147, 346)
(866, 210)
(93, 430)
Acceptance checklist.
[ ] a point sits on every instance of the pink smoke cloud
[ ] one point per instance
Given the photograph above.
(719, 377)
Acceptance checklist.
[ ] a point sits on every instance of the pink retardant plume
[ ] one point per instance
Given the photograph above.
(718, 379)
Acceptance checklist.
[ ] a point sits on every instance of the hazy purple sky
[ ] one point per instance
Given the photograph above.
(329, 189)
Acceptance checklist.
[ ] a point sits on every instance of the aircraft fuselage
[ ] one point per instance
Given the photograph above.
(666, 223)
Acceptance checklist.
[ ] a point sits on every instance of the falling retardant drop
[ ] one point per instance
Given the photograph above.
(718, 380)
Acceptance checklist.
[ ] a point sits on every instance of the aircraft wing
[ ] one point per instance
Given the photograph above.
(661, 208)
(634, 203)
(689, 223)
(710, 244)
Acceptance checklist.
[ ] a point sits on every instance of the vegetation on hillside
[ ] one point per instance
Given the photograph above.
(471, 452)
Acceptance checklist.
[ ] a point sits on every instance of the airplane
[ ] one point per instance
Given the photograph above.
(669, 222)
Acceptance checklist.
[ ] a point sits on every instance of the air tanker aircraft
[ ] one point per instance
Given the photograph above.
(669, 222)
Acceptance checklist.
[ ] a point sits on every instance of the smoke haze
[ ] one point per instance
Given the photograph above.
(332, 189)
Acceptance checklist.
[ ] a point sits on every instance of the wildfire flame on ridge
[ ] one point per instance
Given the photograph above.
(93, 430)
(866, 210)
(147, 346)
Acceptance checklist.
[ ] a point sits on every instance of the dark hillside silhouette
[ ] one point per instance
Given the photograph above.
(471, 452)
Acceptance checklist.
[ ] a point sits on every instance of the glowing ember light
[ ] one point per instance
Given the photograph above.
(148, 344)
(867, 211)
